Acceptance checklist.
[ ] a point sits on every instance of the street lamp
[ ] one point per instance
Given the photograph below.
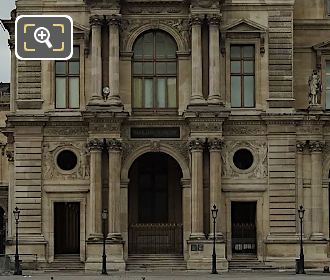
(214, 212)
(104, 256)
(18, 270)
(301, 267)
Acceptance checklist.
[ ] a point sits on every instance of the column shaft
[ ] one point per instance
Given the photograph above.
(11, 193)
(300, 189)
(96, 76)
(95, 201)
(196, 60)
(316, 185)
(114, 147)
(214, 61)
(114, 22)
(307, 194)
(196, 147)
(215, 181)
(13, 75)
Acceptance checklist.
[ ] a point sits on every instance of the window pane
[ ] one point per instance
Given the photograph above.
(148, 93)
(148, 68)
(75, 53)
(235, 91)
(137, 68)
(137, 103)
(235, 52)
(60, 68)
(74, 68)
(327, 101)
(60, 93)
(328, 66)
(328, 80)
(138, 48)
(148, 45)
(171, 68)
(248, 67)
(248, 51)
(161, 96)
(74, 92)
(165, 46)
(248, 91)
(171, 92)
(328, 3)
(235, 67)
(161, 67)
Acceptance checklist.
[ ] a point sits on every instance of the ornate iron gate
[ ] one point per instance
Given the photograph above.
(155, 238)
(244, 238)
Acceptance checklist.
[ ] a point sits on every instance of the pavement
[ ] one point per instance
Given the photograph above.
(170, 275)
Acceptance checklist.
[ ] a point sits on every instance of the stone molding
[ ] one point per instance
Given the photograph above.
(95, 144)
(196, 145)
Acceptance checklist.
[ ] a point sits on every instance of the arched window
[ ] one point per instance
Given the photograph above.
(154, 71)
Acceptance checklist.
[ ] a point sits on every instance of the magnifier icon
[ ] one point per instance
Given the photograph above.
(42, 35)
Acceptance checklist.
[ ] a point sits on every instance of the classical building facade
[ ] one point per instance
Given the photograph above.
(165, 109)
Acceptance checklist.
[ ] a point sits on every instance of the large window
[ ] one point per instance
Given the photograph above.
(242, 76)
(154, 71)
(67, 82)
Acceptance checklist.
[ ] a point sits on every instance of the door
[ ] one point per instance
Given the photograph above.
(244, 232)
(67, 228)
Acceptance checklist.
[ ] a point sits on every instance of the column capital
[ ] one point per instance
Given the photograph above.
(196, 145)
(95, 144)
(113, 20)
(196, 19)
(114, 144)
(316, 146)
(215, 144)
(300, 145)
(96, 20)
(214, 19)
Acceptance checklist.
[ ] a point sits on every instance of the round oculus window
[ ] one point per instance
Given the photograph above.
(243, 159)
(67, 160)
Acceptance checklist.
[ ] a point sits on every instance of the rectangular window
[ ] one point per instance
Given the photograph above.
(327, 85)
(242, 76)
(67, 82)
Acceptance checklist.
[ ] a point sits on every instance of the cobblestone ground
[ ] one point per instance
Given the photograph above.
(168, 276)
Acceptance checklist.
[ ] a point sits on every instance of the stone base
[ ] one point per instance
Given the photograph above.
(315, 108)
(200, 255)
(114, 252)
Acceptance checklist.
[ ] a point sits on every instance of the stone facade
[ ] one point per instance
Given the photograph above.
(285, 137)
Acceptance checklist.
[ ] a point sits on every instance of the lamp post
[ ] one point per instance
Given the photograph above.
(18, 270)
(104, 256)
(301, 267)
(214, 212)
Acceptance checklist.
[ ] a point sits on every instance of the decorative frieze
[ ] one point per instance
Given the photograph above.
(66, 131)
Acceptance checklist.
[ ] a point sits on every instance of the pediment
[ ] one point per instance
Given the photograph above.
(79, 28)
(244, 25)
(322, 46)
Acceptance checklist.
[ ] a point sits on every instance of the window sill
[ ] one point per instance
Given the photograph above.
(152, 112)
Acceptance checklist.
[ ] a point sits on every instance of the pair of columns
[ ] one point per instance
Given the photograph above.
(96, 23)
(214, 61)
(196, 147)
(309, 162)
(95, 204)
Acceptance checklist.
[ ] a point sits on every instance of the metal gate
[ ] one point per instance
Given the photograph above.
(155, 238)
(244, 238)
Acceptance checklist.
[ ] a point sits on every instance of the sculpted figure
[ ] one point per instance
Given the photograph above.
(315, 88)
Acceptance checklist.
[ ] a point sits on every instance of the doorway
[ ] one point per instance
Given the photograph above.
(67, 228)
(244, 230)
(155, 205)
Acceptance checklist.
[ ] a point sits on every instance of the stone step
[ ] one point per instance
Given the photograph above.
(65, 262)
(247, 264)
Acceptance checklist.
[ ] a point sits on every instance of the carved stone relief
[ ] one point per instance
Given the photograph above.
(66, 131)
(205, 4)
(259, 150)
(52, 171)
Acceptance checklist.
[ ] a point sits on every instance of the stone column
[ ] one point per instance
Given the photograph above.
(96, 75)
(307, 192)
(316, 186)
(196, 61)
(196, 147)
(215, 146)
(11, 43)
(95, 192)
(114, 22)
(114, 146)
(300, 188)
(11, 193)
(214, 60)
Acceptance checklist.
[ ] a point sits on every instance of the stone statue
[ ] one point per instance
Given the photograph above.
(315, 88)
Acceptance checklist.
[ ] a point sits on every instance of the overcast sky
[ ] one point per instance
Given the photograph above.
(5, 7)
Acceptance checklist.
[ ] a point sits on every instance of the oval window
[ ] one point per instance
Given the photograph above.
(67, 160)
(243, 159)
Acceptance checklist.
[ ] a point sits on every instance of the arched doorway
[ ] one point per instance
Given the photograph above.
(155, 205)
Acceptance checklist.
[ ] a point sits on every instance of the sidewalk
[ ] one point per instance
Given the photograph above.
(167, 276)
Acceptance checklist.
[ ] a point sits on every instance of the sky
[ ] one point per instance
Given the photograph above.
(5, 7)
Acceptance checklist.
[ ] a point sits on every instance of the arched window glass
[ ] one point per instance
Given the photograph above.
(154, 71)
